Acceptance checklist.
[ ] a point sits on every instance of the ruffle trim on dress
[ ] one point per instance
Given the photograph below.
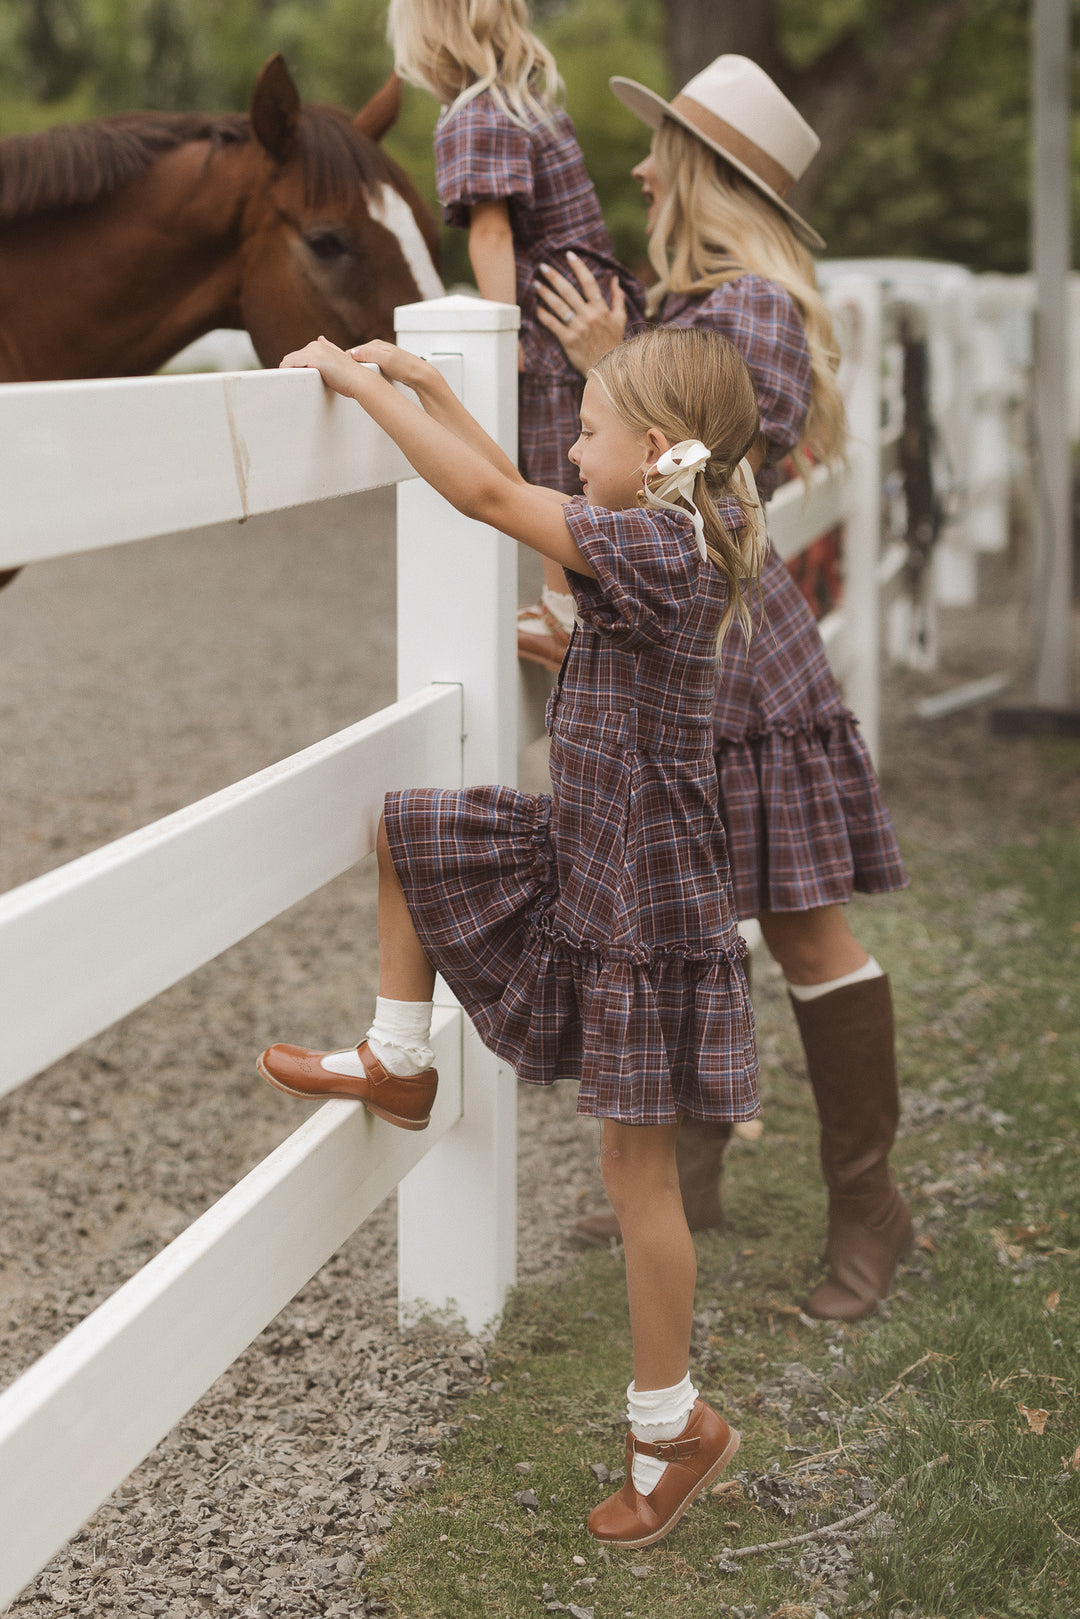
(637, 956)
(814, 725)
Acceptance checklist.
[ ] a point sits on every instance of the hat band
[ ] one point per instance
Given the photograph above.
(740, 146)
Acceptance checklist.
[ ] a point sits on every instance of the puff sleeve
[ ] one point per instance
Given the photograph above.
(647, 568)
(481, 155)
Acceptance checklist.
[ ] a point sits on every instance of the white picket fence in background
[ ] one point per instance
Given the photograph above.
(90, 464)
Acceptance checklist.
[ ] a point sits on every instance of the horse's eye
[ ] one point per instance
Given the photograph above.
(327, 244)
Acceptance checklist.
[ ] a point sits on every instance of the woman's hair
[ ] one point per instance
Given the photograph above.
(713, 226)
(691, 383)
(459, 48)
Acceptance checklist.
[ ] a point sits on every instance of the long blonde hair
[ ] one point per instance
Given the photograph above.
(459, 48)
(713, 226)
(691, 383)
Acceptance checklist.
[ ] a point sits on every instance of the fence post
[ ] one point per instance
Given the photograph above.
(457, 595)
(862, 550)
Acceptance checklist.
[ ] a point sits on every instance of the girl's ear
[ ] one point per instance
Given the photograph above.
(655, 445)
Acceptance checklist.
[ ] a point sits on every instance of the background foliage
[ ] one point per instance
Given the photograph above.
(941, 172)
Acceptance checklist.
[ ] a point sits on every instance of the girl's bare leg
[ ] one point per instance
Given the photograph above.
(641, 1179)
(405, 974)
(812, 947)
(554, 576)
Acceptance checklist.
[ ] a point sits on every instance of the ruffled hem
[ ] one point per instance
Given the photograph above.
(806, 821)
(650, 1033)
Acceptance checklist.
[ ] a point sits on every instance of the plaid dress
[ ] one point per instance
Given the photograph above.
(806, 821)
(482, 155)
(592, 932)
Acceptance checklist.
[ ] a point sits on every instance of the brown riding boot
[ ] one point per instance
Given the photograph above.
(851, 1057)
(699, 1153)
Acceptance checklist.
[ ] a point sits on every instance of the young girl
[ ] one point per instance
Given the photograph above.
(508, 168)
(805, 818)
(590, 932)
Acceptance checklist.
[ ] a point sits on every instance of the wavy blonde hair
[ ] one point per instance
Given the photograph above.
(691, 383)
(713, 226)
(458, 48)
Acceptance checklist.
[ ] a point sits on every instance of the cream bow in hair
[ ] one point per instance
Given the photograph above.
(676, 473)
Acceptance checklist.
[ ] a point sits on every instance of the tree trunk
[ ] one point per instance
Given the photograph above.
(839, 93)
(698, 30)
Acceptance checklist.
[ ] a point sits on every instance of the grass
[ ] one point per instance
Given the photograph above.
(977, 1359)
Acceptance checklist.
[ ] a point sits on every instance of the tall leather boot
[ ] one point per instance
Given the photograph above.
(699, 1154)
(851, 1057)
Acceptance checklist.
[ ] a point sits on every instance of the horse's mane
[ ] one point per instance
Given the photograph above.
(73, 165)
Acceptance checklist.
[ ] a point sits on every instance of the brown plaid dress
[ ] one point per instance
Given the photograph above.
(483, 155)
(806, 821)
(592, 933)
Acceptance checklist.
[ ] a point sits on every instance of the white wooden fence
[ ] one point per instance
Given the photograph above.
(89, 464)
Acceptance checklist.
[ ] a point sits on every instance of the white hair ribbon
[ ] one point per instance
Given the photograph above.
(676, 472)
(755, 516)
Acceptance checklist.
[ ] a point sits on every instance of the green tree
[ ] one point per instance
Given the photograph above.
(922, 104)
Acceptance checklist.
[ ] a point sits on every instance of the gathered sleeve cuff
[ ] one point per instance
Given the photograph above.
(647, 570)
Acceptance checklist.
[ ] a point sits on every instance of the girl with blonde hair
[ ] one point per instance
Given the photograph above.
(508, 169)
(590, 932)
(806, 822)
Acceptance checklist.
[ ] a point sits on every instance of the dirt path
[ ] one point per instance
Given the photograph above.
(132, 682)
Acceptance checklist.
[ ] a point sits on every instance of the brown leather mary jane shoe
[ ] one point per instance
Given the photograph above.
(541, 638)
(300, 1072)
(695, 1459)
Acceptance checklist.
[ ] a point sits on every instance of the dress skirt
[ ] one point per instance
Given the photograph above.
(806, 821)
(548, 425)
(649, 1035)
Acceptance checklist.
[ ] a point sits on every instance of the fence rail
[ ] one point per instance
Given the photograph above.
(92, 464)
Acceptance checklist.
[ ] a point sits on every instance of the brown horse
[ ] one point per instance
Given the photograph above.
(123, 239)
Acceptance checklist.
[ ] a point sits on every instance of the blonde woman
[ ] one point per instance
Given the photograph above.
(805, 819)
(509, 170)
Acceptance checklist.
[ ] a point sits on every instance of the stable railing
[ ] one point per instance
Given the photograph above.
(89, 464)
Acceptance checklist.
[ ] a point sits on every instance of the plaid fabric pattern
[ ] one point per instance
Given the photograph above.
(482, 155)
(547, 426)
(592, 933)
(807, 824)
(763, 323)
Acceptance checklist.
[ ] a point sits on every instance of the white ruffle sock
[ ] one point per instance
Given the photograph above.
(656, 1414)
(560, 604)
(812, 992)
(399, 1037)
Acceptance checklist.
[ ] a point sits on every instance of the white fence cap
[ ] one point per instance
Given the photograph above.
(459, 311)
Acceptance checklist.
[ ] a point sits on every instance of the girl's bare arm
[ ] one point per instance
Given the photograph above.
(491, 251)
(487, 488)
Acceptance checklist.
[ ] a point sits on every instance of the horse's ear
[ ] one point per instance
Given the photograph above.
(377, 115)
(275, 108)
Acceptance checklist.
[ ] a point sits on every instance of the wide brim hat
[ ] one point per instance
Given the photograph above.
(737, 110)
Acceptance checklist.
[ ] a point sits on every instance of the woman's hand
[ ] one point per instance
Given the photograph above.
(581, 317)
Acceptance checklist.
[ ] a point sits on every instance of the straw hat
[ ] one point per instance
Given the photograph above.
(736, 109)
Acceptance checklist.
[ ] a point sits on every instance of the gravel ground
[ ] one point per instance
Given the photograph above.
(132, 682)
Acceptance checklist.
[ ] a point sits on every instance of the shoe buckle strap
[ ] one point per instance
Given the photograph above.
(373, 1068)
(667, 1450)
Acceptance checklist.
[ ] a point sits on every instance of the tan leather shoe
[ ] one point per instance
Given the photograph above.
(541, 638)
(695, 1459)
(404, 1102)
